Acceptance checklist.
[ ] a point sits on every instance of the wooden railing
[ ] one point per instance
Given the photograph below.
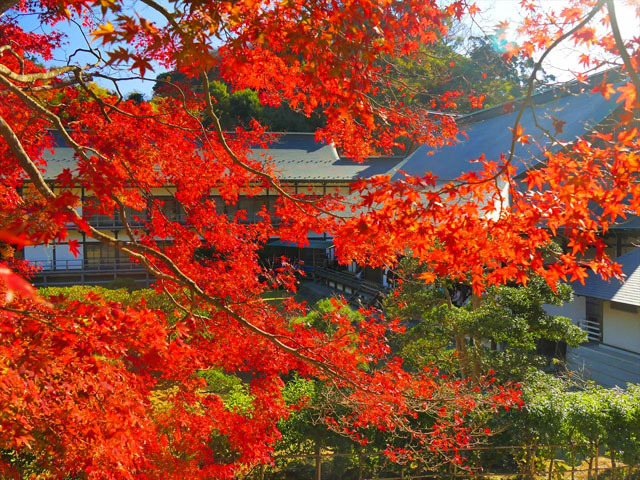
(357, 290)
(592, 328)
(105, 221)
(88, 264)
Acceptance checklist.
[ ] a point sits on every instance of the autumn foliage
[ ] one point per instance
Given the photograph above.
(109, 391)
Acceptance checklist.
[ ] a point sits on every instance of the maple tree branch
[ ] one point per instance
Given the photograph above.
(36, 177)
(526, 101)
(29, 315)
(15, 55)
(93, 95)
(34, 77)
(269, 178)
(27, 164)
(35, 105)
(78, 75)
(165, 13)
(622, 49)
(114, 107)
(538, 66)
(24, 161)
(6, 5)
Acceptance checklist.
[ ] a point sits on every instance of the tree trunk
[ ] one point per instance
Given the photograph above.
(318, 462)
(530, 467)
(463, 355)
(613, 463)
(476, 359)
(551, 460)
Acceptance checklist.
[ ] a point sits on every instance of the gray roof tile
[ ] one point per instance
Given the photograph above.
(488, 132)
(623, 292)
(296, 156)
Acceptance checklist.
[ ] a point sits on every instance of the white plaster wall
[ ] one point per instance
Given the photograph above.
(575, 310)
(500, 202)
(621, 329)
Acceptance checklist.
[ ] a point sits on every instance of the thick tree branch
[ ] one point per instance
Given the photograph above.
(138, 252)
(40, 76)
(6, 5)
(622, 49)
(24, 161)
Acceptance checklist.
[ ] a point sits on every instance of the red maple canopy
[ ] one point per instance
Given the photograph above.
(113, 391)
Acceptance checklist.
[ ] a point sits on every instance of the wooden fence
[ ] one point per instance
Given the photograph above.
(545, 462)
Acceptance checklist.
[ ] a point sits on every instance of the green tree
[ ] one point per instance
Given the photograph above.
(236, 107)
(502, 331)
(478, 68)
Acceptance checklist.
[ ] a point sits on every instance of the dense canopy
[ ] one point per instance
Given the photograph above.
(108, 390)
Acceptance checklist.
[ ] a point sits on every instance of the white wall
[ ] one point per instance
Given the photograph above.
(621, 329)
(576, 310)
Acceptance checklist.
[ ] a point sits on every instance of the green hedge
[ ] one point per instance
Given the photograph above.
(584, 422)
(126, 297)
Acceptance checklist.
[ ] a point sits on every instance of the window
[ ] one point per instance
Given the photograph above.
(171, 208)
(99, 256)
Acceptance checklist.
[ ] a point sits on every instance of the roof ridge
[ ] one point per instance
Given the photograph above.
(539, 98)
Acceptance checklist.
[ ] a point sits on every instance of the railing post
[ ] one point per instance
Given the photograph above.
(360, 466)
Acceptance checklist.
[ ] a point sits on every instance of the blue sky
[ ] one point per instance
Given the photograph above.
(75, 39)
(561, 63)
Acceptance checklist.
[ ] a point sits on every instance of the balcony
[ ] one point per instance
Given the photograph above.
(88, 265)
(592, 329)
(107, 222)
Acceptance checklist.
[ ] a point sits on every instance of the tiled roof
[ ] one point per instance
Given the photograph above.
(296, 156)
(623, 292)
(488, 131)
